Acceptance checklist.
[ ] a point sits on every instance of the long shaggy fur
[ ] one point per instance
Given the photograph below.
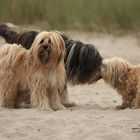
(82, 61)
(125, 78)
(35, 75)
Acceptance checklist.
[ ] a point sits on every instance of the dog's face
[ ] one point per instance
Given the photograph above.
(48, 48)
(114, 70)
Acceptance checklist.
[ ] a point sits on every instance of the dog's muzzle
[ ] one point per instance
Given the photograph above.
(44, 53)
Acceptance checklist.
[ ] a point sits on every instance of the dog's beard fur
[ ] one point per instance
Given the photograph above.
(123, 77)
(38, 71)
(82, 60)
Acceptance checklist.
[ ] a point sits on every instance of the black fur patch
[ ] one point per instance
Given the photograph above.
(84, 61)
(25, 39)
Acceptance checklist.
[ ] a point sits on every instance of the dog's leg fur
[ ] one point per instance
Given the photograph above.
(127, 101)
(137, 101)
(22, 100)
(54, 98)
(65, 98)
(8, 94)
(39, 100)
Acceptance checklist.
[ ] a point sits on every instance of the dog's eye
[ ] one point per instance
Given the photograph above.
(41, 41)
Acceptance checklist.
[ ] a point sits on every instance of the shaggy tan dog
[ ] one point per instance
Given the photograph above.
(125, 78)
(35, 75)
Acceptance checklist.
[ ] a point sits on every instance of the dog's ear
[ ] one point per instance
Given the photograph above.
(44, 53)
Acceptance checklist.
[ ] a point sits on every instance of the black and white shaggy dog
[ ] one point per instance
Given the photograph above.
(82, 60)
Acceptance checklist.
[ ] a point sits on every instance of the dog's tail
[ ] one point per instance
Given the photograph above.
(7, 33)
(25, 39)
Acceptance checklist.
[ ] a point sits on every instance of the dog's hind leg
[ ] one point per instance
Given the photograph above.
(137, 101)
(7, 94)
(127, 101)
(65, 98)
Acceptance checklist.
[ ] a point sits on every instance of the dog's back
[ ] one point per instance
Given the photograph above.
(9, 52)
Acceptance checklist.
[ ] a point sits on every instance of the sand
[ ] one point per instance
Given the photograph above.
(94, 118)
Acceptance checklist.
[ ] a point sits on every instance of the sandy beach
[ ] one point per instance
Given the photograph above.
(95, 116)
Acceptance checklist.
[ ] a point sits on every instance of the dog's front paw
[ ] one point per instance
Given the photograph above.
(58, 107)
(120, 107)
(44, 107)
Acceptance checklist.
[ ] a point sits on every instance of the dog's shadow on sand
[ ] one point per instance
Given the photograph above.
(90, 107)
